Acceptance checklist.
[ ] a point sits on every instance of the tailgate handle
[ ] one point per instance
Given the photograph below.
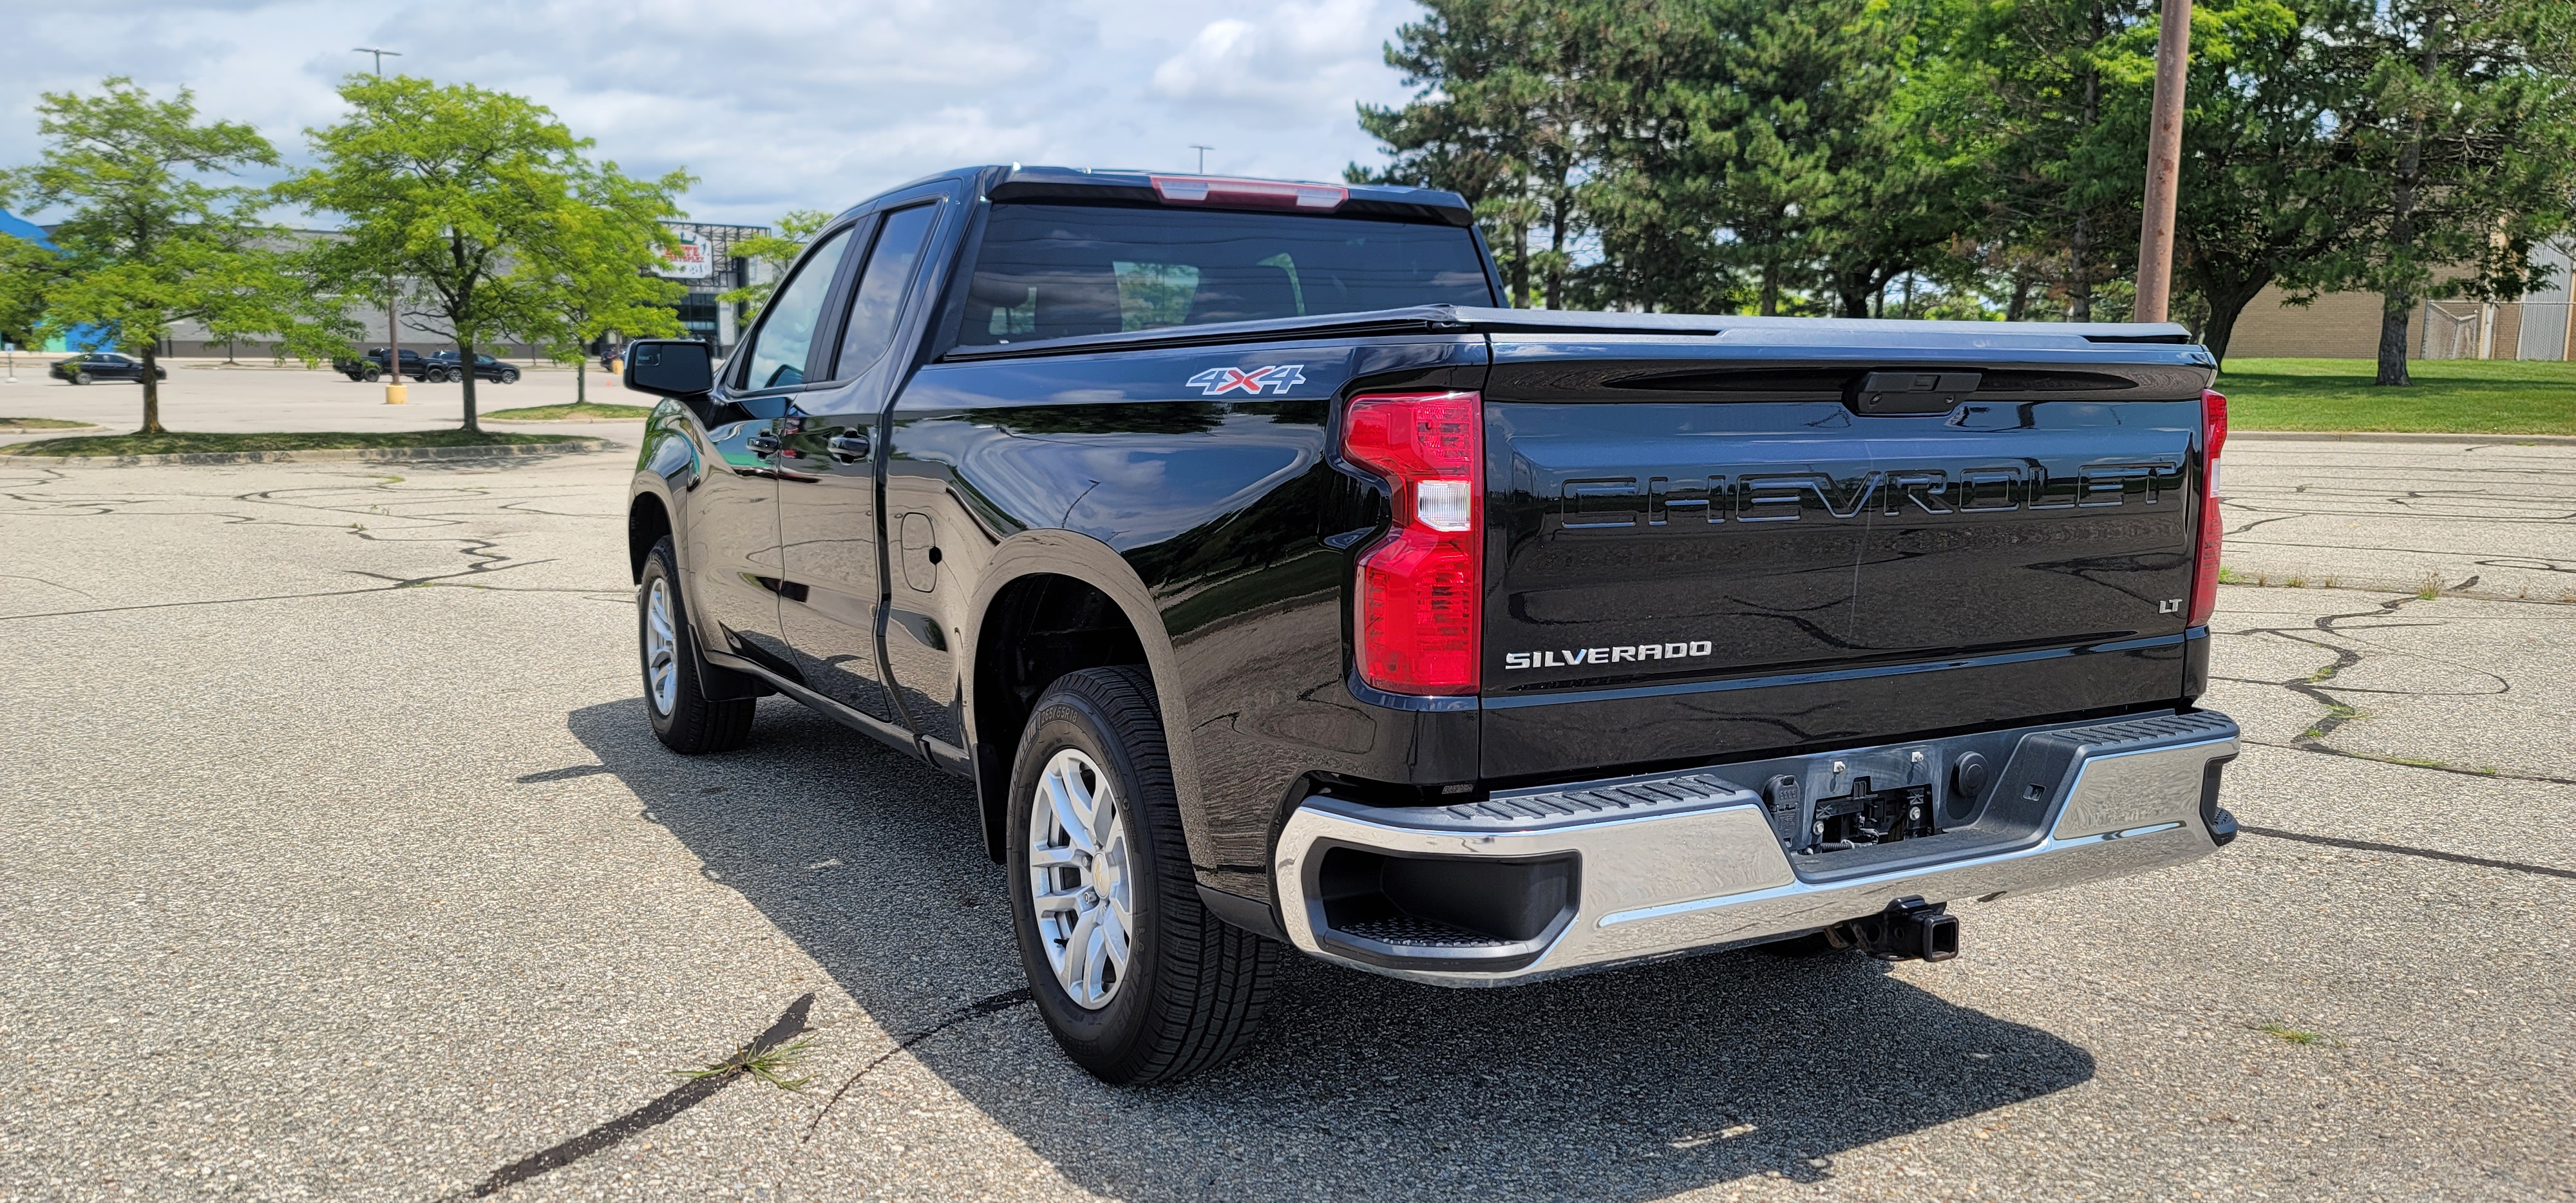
(1913, 392)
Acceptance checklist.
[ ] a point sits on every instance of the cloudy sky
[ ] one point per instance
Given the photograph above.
(776, 104)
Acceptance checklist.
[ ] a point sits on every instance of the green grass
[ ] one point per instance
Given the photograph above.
(575, 412)
(184, 443)
(2300, 1036)
(776, 1066)
(2449, 396)
(42, 424)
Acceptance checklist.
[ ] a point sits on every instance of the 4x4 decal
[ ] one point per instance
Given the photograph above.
(1278, 378)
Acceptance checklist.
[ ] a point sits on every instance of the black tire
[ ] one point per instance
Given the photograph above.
(692, 724)
(374, 375)
(511, 377)
(81, 377)
(1195, 987)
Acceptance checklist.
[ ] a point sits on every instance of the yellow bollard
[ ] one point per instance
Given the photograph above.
(394, 394)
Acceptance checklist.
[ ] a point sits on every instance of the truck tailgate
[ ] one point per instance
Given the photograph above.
(1699, 548)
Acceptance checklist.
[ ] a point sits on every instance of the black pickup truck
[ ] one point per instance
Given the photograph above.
(1274, 586)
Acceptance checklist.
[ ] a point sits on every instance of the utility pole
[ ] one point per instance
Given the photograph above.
(1202, 156)
(395, 393)
(2164, 164)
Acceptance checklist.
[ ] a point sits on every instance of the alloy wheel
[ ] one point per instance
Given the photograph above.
(1078, 879)
(661, 647)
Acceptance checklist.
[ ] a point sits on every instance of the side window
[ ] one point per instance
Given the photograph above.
(880, 296)
(777, 358)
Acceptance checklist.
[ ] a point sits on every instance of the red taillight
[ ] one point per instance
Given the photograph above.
(2204, 580)
(1421, 586)
(1249, 194)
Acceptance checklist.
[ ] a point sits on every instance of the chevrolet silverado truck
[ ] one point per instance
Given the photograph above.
(1275, 585)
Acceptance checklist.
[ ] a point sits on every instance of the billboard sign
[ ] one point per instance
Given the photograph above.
(691, 259)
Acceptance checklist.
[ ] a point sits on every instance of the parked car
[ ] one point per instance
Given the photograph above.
(1274, 585)
(95, 366)
(370, 367)
(485, 368)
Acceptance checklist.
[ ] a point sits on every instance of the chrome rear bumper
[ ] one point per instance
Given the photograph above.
(1654, 866)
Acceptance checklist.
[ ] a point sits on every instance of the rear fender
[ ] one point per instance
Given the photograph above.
(1057, 552)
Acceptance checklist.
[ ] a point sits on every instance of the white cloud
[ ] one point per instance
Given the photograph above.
(1311, 59)
(793, 103)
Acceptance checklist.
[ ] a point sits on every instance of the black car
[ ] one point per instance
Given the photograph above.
(371, 366)
(443, 367)
(103, 365)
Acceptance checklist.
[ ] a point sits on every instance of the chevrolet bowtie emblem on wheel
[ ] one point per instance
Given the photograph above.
(1278, 378)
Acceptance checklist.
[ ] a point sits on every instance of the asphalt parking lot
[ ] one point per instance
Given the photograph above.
(202, 395)
(342, 865)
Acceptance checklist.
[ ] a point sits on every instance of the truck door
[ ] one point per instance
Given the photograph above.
(733, 516)
(830, 530)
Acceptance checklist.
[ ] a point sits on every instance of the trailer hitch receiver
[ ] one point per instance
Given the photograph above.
(1910, 929)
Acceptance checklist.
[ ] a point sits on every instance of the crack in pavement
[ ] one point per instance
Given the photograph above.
(660, 1111)
(991, 1005)
(2460, 858)
(2339, 712)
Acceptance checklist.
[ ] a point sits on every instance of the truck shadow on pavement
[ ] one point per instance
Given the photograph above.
(1632, 1084)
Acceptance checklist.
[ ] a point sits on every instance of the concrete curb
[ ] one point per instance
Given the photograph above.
(2391, 436)
(331, 455)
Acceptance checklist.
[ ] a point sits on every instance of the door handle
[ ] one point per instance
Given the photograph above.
(762, 443)
(849, 448)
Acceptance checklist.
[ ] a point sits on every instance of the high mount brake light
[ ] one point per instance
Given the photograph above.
(1248, 194)
(2204, 580)
(1421, 587)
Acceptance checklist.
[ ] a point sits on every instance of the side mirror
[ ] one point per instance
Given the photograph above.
(670, 367)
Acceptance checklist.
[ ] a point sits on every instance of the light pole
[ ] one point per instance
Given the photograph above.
(1202, 156)
(394, 391)
(2164, 165)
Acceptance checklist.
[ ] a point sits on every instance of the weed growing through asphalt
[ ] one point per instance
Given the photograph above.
(2229, 576)
(772, 1065)
(2300, 1036)
(2421, 764)
(2335, 711)
(2296, 581)
(2430, 588)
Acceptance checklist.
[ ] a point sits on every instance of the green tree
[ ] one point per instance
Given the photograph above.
(2456, 153)
(1499, 116)
(149, 239)
(2044, 85)
(2259, 197)
(456, 199)
(598, 274)
(775, 252)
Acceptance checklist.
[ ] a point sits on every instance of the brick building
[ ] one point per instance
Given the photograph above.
(2345, 325)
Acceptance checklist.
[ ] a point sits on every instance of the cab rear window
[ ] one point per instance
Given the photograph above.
(1062, 271)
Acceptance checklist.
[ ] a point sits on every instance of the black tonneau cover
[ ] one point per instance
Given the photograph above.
(2144, 344)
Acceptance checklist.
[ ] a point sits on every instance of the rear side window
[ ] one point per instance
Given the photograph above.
(1061, 271)
(879, 300)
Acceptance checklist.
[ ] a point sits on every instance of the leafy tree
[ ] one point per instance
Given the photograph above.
(456, 199)
(598, 275)
(2259, 197)
(1500, 116)
(2045, 84)
(2457, 152)
(148, 241)
(795, 228)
